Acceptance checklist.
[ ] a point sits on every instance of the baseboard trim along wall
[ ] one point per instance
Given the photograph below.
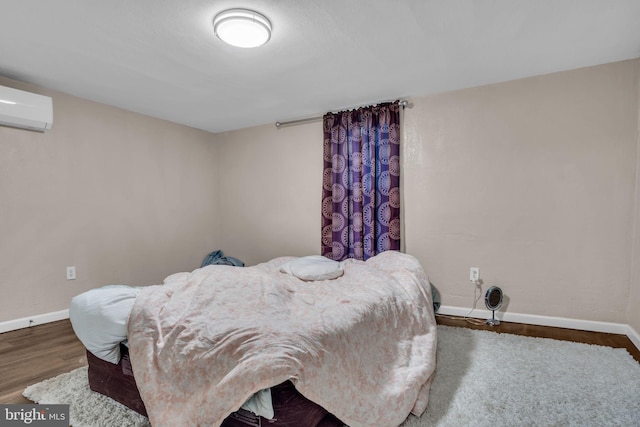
(558, 322)
(39, 319)
(634, 336)
(532, 319)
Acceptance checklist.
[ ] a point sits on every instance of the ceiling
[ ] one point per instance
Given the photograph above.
(160, 57)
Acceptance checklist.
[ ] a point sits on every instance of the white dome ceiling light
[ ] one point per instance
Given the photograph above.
(242, 28)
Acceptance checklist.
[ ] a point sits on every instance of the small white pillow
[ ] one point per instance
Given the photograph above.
(313, 267)
(99, 318)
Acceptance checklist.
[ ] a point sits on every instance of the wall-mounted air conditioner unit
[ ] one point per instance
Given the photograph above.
(25, 110)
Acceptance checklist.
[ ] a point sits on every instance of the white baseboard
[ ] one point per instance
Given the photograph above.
(633, 336)
(559, 322)
(39, 319)
(531, 319)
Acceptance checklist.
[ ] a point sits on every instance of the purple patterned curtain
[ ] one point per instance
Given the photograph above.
(361, 182)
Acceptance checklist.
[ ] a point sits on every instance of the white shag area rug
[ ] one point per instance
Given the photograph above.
(482, 379)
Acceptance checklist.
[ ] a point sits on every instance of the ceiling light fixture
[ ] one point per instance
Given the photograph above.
(242, 28)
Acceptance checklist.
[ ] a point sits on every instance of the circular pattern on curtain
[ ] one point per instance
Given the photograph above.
(361, 182)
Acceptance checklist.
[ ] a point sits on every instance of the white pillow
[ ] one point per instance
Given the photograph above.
(313, 267)
(99, 318)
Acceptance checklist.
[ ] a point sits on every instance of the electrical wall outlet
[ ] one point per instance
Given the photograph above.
(474, 274)
(71, 273)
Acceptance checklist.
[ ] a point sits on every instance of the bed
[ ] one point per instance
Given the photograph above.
(354, 341)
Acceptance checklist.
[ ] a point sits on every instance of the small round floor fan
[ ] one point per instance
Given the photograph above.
(493, 301)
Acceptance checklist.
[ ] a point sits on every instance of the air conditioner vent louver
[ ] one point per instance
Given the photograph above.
(25, 110)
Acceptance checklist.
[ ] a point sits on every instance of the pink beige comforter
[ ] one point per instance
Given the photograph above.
(362, 346)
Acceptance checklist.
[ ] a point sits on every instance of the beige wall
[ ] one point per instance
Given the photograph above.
(270, 191)
(633, 305)
(533, 181)
(122, 197)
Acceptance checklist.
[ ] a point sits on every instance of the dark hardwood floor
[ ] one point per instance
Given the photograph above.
(30, 355)
(587, 337)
